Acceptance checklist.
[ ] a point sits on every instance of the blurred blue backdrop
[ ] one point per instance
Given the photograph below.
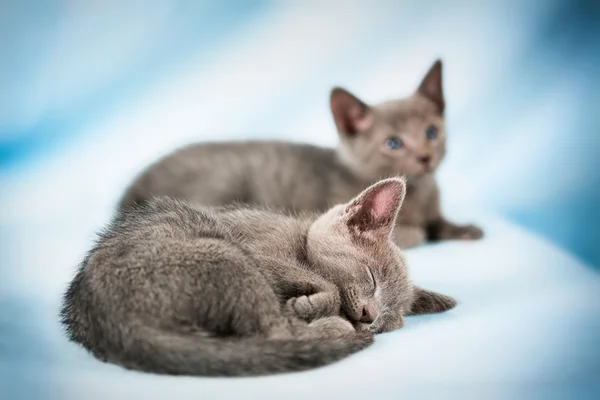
(521, 78)
(91, 92)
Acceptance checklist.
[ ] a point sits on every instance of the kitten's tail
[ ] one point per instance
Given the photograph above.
(188, 354)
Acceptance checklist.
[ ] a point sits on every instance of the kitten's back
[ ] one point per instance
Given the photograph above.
(277, 174)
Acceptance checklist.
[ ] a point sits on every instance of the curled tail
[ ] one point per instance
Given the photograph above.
(188, 354)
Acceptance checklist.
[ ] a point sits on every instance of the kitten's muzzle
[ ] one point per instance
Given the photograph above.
(426, 164)
(424, 160)
(369, 314)
(363, 317)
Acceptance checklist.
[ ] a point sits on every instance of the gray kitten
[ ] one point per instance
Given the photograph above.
(179, 288)
(400, 137)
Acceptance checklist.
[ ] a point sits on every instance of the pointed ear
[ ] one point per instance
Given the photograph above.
(376, 208)
(350, 114)
(428, 302)
(431, 86)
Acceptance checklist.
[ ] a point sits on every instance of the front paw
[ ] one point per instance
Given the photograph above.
(430, 302)
(468, 232)
(391, 323)
(331, 327)
(315, 306)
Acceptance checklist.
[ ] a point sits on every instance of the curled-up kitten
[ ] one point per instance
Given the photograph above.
(179, 288)
(400, 137)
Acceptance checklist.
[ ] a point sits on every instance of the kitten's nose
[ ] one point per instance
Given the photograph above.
(424, 160)
(369, 314)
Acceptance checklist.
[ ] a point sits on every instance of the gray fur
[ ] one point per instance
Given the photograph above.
(296, 177)
(180, 288)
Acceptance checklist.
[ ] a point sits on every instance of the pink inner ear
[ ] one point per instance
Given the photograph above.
(363, 123)
(384, 202)
(360, 119)
(375, 209)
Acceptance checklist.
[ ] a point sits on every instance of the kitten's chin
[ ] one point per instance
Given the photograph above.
(422, 172)
(418, 175)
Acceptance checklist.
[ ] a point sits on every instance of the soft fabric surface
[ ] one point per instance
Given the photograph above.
(527, 324)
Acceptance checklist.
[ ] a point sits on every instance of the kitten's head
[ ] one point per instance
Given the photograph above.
(399, 137)
(351, 246)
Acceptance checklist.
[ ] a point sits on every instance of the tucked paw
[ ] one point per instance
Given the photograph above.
(300, 307)
(314, 306)
(331, 326)
(468, 232)
(391, 323)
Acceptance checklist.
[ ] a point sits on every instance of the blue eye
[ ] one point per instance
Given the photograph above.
(431, 132)
(393, 143)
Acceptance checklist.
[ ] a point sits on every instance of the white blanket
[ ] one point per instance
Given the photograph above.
(528, 323)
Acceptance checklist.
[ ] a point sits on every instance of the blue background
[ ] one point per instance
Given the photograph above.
(533, 67)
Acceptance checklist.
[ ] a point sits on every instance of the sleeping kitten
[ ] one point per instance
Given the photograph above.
(179, 288)
(400, 137)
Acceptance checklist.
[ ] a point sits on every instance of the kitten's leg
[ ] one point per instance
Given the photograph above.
(391, 323)
(429, 302)
(328, 327)
(441, 229)
(303, 293)
(438, 228)
(216, 285)
(314, 306)
(406, 236)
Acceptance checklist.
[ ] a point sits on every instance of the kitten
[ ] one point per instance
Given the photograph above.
(400, 137)
(179, 288)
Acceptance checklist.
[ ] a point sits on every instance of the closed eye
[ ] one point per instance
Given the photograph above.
(372, 278)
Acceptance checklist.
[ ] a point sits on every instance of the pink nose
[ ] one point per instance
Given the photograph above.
(424, 160)
(369, 314)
